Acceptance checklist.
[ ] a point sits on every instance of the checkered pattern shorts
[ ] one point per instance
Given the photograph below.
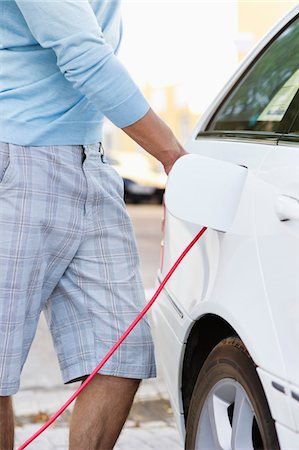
(67, 248)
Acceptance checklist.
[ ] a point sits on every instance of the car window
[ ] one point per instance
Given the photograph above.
(262, 98)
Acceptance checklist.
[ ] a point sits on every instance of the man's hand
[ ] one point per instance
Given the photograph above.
(174, 155)
(152, 134)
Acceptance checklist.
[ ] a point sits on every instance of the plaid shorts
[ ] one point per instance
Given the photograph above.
(67, 248)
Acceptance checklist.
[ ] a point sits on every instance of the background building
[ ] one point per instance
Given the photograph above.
(255, 18)
(213, 38)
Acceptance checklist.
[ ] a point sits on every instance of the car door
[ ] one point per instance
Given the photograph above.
(277, 238)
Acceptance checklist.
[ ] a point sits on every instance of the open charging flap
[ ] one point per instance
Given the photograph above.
(205, 191)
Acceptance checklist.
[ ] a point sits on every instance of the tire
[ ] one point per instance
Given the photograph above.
(228, 378)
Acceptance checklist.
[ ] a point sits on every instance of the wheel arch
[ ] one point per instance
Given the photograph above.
(205, 334)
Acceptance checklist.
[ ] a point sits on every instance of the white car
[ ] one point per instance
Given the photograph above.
(227, 322)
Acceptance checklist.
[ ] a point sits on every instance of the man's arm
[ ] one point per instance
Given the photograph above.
(70, 28)
(157, 138)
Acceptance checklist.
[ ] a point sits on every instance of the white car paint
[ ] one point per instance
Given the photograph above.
(248, 276)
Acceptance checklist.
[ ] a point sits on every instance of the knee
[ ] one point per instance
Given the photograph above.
(6, 413)
(111, 383)
(122, 382)
(5, 401)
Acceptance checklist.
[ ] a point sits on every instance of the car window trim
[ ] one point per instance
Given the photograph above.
(291, 114)
(291, 137)
(239, 80)
(288, 135)
(248, 136)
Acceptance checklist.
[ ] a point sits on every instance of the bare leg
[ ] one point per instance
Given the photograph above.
(100, 412)
(6, 424)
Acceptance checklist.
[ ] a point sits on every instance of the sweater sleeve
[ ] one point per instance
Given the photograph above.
(70, 28)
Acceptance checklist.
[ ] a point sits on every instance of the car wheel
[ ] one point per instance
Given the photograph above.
(228, 408)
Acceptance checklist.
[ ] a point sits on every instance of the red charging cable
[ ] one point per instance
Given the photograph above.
(116, 345)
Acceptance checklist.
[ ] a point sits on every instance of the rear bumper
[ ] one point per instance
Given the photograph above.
(288, 439)
(283, 400)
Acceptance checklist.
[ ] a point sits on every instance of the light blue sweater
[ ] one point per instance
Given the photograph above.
(59, 74)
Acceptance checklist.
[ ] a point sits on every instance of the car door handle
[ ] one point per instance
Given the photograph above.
(287, 208)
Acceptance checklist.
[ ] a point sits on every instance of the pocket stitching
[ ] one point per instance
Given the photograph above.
(5, 175)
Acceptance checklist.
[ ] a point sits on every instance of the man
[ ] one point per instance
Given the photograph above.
(66, 240)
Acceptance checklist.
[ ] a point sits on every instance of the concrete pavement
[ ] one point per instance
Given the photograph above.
(155, 436)
(150, 424)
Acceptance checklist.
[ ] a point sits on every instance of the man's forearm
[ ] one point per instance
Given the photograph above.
(152, 134)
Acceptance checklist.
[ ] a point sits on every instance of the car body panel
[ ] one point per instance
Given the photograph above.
(278, 394)
(168, 339)
(294, 402)
(233, 277)
(164, 312)
(216, 257)
(278, 251)
(288, 439)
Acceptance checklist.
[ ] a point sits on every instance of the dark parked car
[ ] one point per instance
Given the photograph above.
(144, 178)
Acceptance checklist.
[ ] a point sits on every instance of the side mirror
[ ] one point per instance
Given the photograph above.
(205, 191)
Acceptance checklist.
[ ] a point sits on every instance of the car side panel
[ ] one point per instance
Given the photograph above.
(278, 394)
(171, 353)
(220, 276)
(278, 249)
(223, 269)
(288, 439)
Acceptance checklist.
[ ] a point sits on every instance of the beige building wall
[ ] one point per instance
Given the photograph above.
(165, 102)
(255, 18)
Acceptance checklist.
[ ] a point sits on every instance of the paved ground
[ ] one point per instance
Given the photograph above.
(150, 425)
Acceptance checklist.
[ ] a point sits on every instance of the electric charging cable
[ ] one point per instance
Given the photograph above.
(117, 344)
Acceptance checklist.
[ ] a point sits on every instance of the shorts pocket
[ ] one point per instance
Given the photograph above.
(119, 180)
(5, 163)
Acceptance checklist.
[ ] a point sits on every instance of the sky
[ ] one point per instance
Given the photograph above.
(190, 44)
